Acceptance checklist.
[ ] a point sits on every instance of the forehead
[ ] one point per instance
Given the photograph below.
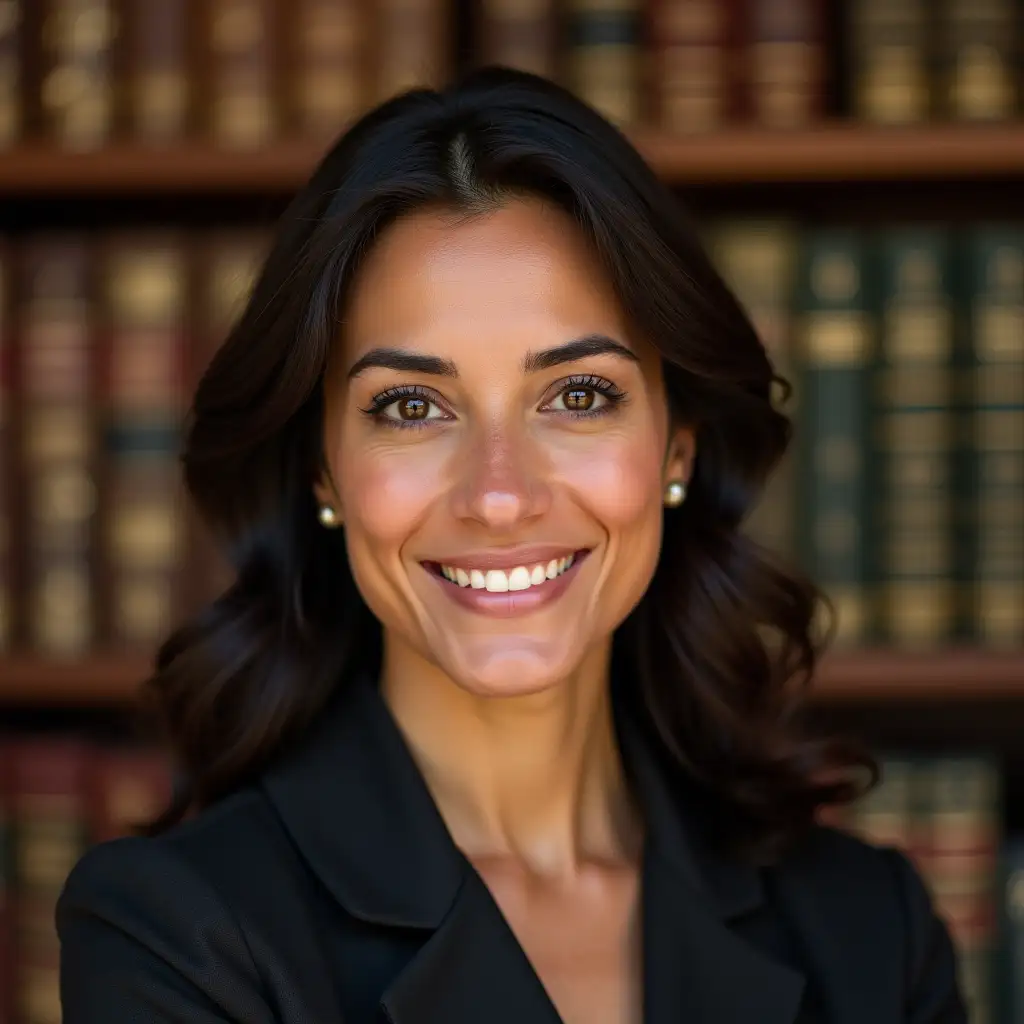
(521, 270)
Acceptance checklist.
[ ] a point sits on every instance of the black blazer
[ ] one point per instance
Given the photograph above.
(331, 893)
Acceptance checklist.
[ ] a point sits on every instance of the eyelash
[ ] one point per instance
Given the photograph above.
(603, 387)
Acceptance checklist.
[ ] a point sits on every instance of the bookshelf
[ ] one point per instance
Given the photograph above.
(830, 152)
(862, 677)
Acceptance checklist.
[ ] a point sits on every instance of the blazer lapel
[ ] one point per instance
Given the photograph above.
(471, 969)
(697, 970)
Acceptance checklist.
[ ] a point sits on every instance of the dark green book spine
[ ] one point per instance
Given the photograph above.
(996, 435)
(1011, 973)
(836, 339)
(913, 437)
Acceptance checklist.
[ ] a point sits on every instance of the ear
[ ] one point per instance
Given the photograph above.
(679, 456)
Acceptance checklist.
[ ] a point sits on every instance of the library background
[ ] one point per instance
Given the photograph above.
(858, 169)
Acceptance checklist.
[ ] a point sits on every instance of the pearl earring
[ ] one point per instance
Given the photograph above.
(675, 494)
(328, 517)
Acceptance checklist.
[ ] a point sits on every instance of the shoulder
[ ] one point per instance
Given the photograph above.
(872, 900)
(194, 861)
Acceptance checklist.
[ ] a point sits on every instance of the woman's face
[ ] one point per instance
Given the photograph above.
(498, 443)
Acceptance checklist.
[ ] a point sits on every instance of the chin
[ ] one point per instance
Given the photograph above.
(508, 673)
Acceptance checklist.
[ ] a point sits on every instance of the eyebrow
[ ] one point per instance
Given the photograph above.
(415, 362)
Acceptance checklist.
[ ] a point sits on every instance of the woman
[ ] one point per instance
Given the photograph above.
(496, 723)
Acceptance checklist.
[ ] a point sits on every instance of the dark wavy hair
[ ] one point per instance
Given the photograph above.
(716, 655)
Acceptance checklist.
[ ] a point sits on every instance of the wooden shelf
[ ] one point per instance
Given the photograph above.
(859, 678)
(831, 152)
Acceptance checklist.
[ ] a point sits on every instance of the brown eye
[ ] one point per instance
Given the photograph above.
(579, 399)
(413, 408)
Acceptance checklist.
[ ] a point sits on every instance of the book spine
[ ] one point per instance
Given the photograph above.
(50, 787)
(890, 60)
(757, 259)
(131, 787)
(885, 815)
(692, 87)
(76, 97)
(410, 46)
(914, 439)
(6, 890)
(996, 269)
(1011, 975)
(238, 59)
(836, 342)
(603, 56)
(11, 80)
(326, 77)
(57, 453)
(964, 869)
(7, 482)
(144, 293)
(976, 61)
(785, 61)
(519, 34)
(155, 69)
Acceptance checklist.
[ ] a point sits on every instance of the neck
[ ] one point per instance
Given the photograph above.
(537, 778)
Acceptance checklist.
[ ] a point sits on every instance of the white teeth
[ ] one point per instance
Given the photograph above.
(497, 581)
(519, 578)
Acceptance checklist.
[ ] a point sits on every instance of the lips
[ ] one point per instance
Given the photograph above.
(520, 585)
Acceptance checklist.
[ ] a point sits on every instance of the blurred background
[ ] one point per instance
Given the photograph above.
(857, 168)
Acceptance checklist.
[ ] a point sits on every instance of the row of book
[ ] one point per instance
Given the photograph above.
(946, 814)
(903, 496)
(904, 493)
(245, 73)
(58, 795)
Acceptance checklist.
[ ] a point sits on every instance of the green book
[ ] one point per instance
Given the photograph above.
(913, 439)
(994, 460)
(757, 258)
(835, 332)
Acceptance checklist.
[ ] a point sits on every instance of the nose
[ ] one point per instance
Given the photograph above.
(502, 481)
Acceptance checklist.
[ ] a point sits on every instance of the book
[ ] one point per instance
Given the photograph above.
(7, 527)
(50, 816)
(410, 45)
(326, 73)
(913, 409)
(976, 66)
(785, 62)
(691, 54)
(520, 34)
(144, 293)
(154, 70)
(836, 340)
(58, 445)
(11, 72)
(239, 87)
(76, 89)
(994, 541)
(602, 56)
(758, 259)
(890, 60)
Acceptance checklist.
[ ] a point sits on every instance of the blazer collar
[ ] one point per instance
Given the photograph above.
(359, 811)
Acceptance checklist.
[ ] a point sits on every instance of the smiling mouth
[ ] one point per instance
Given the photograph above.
(514, 579)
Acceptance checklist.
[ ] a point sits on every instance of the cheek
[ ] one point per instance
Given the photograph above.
(386, 493)
(619, 482)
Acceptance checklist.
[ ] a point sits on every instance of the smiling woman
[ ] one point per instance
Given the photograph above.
(496, 723)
